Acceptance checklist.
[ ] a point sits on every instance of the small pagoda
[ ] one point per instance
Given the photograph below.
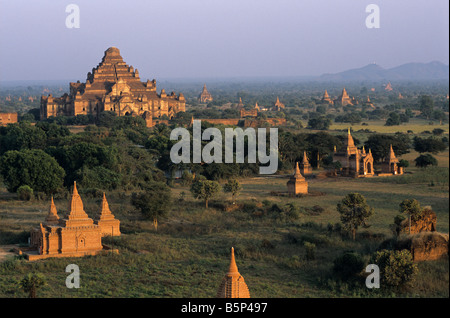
(326, 98)
(297, 183)
(305, 166)
(390, 164)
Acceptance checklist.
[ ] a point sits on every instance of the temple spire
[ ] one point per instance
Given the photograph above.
(297, 169)
(105, 207)
(75, 191)
(233, 267)
(305, 158)
(391, 153)
(52, 217)
(76, 209)
(233, 284)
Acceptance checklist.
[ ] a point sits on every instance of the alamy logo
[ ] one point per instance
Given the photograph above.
(212, 151)
(73, 280)
(73, 19)
(373, 279)
(373, 19)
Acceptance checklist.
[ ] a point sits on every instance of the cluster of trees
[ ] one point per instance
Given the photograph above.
(396, 267)
(48, 158)
(206, 189)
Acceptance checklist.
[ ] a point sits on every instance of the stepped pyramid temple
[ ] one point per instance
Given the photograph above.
(343, 99)
(205, 96)
(297, 183)
(233, 284)
(74, 235)
(390, 164)
(354, 162)
(326, 98)
(113, 86)
(305, 166)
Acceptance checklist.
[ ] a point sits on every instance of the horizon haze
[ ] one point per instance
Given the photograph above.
(220, 39)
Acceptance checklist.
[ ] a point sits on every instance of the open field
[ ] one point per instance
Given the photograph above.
(189, 253)
(417, 126)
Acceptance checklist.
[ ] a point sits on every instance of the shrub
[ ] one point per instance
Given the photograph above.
(310, 251)
(187, 178)
(397, 268)
(25, 193)
(348, 265)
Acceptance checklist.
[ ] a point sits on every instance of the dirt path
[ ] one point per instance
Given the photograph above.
(5, 251)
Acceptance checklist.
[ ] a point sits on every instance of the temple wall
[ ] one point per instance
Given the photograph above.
(8, 118)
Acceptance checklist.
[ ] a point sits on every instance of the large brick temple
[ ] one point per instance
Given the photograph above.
(114, 86)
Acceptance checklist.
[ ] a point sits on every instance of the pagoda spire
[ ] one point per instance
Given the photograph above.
(233, 270)
(297, 170)
(76, 209)
(105, 212)
(52, 217)
(233, 284)
(391, 153)
(305, 158)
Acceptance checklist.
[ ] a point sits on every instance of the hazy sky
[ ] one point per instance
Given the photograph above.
(218, 38)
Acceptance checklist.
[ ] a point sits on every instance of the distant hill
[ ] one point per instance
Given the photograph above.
(409, 71)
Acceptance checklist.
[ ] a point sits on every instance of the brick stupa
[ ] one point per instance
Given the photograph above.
(326, 98)
(107, 222)
(297, 183)
(233, 284)
(305, 166)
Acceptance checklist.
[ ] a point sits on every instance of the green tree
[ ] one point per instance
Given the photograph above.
(233, 187)
(379, 144)
(439, 115)
(397, 268)
(426, 105)
(424, 161)
(154, 203)
(320, 123)
(31, 283)
(21, 136)
(411, 207)
(24, 193)
(403, 163)
(354, 212)
(34, 168)
(393, 120)
(205, 190)
(430, 144)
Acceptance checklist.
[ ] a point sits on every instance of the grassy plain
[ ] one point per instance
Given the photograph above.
(189, 253)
